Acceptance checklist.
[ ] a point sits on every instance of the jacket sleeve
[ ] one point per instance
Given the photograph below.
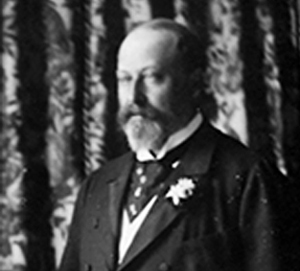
(261, 219)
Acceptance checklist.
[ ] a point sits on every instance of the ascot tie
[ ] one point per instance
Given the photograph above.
(146, 181)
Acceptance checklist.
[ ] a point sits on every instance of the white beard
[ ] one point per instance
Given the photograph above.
(143, 133)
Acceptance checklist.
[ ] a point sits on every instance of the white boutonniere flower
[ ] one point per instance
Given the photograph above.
(182, 190)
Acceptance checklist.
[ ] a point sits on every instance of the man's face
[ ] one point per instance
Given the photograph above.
(150, 88)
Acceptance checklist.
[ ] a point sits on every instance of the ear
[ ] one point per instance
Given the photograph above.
(195, 83)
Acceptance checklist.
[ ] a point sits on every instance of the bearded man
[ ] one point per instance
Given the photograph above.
(186, 197)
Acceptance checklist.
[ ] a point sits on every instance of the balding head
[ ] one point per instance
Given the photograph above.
(190, 48)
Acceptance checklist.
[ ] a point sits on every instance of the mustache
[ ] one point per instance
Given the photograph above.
(147, 112)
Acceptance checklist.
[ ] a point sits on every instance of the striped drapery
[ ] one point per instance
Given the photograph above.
(12, 236)
(60, 78)
(58, 100)
(271, 81)
(226, 67)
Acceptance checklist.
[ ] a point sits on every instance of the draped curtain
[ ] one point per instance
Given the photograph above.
(58, 100)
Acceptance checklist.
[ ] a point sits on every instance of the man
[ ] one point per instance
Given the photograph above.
(186, 197)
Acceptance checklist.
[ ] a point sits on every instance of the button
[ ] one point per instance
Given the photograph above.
(87, 267)
(175, 164)
(163, 267)
(95, 222)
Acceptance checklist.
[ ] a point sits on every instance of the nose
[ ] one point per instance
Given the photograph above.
(137, 92)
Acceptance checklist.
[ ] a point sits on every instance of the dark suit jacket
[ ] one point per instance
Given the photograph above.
(229, 223)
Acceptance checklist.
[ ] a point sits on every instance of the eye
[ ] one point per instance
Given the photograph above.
(153, 77)
(123, 78)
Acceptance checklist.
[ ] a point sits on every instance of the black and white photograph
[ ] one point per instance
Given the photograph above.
(143, 135)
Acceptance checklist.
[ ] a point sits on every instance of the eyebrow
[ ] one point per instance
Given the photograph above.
(151, 67)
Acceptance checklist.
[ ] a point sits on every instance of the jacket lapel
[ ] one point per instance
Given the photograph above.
(117, 189)
(195, 162)
(159, 218)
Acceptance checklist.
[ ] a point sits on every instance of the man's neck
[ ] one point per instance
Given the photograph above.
(172, 141)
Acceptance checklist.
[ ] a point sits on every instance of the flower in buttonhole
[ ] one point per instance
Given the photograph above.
(183, 189)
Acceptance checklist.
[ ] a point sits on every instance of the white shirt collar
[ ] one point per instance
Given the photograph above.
(173, 141)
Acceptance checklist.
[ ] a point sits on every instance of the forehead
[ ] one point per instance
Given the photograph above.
(147, 47)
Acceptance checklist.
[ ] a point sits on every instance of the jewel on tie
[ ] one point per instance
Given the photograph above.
(132, 209)
(139, 171)
(143, 179)
(138, 192)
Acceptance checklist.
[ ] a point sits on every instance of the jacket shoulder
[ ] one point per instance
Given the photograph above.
(97, 180)
(112, 167)
(233, 151)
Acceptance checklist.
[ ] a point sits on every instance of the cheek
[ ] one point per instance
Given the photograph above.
(172, 93)
(161, 101)
(160, 96)
(121, 96)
